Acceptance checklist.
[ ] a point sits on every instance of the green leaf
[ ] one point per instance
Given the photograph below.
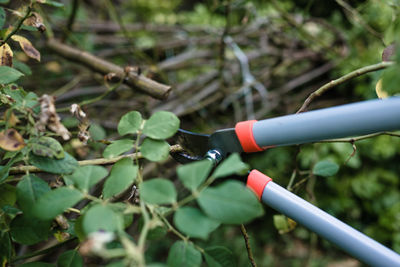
(70, 258)
(29, 189)
(161, 125)
(219, 257)
(47, 147)
(55, 202)
(232, 165)
(84, 177)
(194, 223)
(117, 148)
(28, 230)
(4, 1)
(100, 217)
(183, 254)
(158, 191)
(61, 166)
(230, 202)
(8, 195)
(119, 208)
(130, 123)
(22, 67)
(154, 150)
(9, 75)
(37, 264)
(5, 247)
(122, 175)
(2, 17)
(194, 174)
(97, 132)
(325, 168)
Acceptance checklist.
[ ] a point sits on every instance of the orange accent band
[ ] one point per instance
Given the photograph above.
(244, 132)
(257, 181)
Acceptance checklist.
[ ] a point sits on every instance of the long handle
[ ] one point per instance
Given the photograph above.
(337, 122)
(350, 240)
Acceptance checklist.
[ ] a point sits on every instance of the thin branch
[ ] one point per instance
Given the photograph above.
(341, 80)
(359, 138)
(144, 84)
(18, 27)
(246, 240)
(71, 19)
(100, 161)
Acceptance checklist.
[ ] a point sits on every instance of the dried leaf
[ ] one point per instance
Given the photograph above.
(11, 140)
(50, 118)
(379, 91)
(35, 20)
(84, 124)
(11, 119)
(6, 55)
(27, 46)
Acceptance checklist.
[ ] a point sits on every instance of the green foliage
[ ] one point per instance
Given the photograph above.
(9, 75)
(66, 165)
(55, 202)
(192, 175)
(70, 258)
(219, 257)
(230, 202)
(158, 191)
(47, 147)
(183, 254)
(29, 190)
(101, 218)
(130, 123)
(232, 165)
(29, 230)
(118, 147)
(84, 177)
(161, 125)
(155, 150)
(122, 175)
(194, 223)
(325, 168)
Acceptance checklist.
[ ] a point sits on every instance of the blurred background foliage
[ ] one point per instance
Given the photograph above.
(179, 43)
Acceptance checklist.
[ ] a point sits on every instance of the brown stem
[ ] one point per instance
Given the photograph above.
(142, 83)
(246, 240)
(341, 80)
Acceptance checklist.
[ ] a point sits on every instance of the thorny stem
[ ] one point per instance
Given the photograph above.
(19, 25)
(355, 139)
(341, 80)
(246, 240)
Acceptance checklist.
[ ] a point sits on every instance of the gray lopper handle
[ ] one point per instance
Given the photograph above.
(342, 121)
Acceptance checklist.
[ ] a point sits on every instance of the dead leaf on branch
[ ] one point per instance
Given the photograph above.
(11, 140)
(27, 47)
(84, 124)
(6, 55)
(35, 20)
(50, 118)
(10, 118)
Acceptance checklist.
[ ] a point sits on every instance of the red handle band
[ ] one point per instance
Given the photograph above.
(244, 132)
(257, 181)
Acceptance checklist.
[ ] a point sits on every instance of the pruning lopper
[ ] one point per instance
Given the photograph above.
(355, 119)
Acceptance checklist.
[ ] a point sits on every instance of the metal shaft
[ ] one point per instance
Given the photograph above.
(350, 240)
(337, 122)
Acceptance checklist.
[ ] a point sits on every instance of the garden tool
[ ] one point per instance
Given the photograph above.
(355, 119)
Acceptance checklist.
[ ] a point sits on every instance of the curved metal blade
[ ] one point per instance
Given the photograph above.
(195, 146)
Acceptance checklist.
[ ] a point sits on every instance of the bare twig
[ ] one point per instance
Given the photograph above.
(341, 80)
(355, 139)
(71, 19)
(18, 27)
(100, 161)
(144, 84)
(246, 240)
